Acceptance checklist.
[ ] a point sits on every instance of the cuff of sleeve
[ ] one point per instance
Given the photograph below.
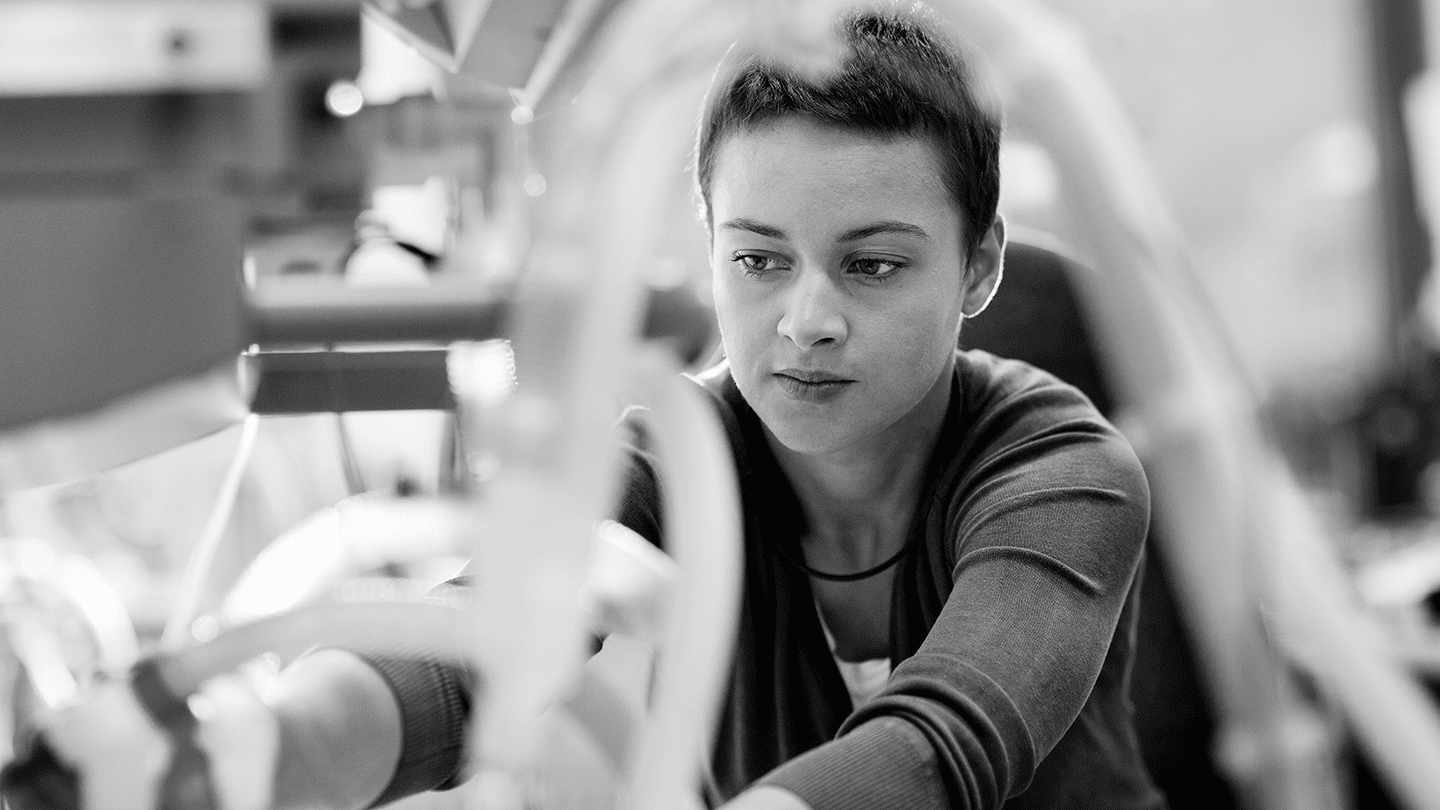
(434, 701)
(885, 762)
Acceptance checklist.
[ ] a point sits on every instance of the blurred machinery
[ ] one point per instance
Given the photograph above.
(131, 188)
(128, 192)
(144, 170)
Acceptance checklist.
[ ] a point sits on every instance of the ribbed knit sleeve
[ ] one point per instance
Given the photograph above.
(898, 761)
(434, 701)
(434, 695)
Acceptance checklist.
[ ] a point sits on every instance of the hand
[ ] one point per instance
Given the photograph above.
(241, 736)
(766, 797)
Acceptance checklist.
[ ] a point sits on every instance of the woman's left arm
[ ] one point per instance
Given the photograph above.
(1045, 552)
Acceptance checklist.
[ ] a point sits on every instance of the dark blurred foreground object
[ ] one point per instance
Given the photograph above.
(37, 780)
(1395, 434)
(1397, 429)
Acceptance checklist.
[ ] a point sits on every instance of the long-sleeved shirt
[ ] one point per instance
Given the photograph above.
(1011, 625)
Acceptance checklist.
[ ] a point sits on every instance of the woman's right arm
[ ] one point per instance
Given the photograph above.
(350, 733)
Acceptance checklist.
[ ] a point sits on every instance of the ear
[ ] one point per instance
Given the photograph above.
(984, 270)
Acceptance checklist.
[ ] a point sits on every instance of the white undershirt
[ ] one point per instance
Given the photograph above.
(863, 679)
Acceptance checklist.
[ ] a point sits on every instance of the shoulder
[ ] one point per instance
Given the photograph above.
(1023, 433)
(1005, 404)
(1035, 478)
(1017, 394)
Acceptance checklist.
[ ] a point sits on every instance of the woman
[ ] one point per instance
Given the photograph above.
(941, 547)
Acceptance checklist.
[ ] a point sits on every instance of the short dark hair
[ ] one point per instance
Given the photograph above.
(898, 76)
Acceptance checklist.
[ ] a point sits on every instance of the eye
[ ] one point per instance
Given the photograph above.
(757, 263)
(876, 269)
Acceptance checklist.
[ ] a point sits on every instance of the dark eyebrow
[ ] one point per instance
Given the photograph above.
(743, 224)
(885, 226)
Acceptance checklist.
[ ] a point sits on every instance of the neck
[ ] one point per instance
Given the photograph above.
(859, 500)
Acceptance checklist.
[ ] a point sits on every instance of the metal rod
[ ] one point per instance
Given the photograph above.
(310, 312)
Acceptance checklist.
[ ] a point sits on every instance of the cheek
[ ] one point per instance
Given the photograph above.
(742, 319)
(725, 306)
(913, 344)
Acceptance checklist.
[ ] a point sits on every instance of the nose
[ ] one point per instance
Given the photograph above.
(814, 313)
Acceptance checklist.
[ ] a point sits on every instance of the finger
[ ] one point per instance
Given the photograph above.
(241, 735)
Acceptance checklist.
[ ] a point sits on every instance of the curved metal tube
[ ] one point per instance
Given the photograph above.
(703, 532)
(418, 628)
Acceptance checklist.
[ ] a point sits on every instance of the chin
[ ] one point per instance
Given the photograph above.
(815, 435)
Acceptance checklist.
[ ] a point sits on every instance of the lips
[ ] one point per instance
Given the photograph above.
(812, 385)
(811, 376)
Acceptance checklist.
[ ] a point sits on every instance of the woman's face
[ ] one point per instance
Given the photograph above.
(839, 276)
